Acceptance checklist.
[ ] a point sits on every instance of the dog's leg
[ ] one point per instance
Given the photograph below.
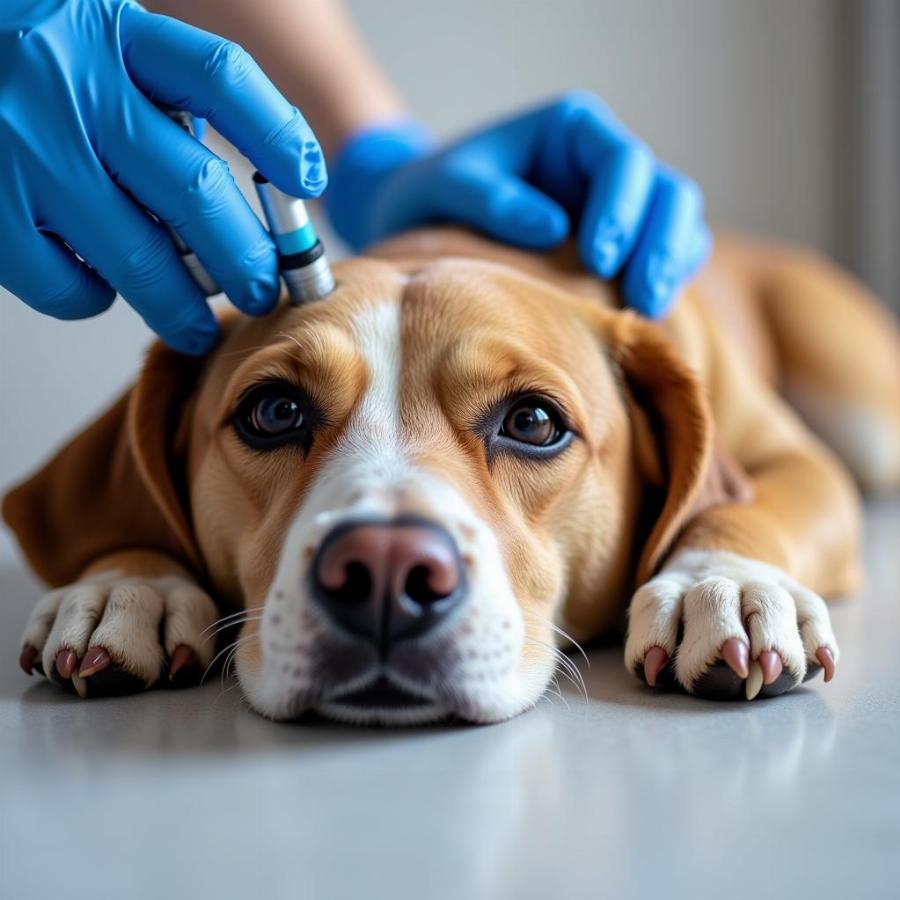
(132, 620)
(729, 614)
(736, 609)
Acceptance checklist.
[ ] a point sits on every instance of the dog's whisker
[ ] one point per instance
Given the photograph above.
(216, 628)
(543, 620)
(224, 650)
(228, 662)
(572, 641)
(236, 623)
(242, 697)
(213, 661)
(554, 688)
(573, 676)
(226, 690)
(577, 677)
(234, 615)
(566, 666)
(564, 660)
(562, 663)
(228, 668)
(228, 658)
(566, 674)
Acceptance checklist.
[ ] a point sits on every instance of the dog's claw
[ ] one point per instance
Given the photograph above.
(182, 657)
(66, 663)
(80, 685)
(95, 660)
(754, 682)
(771, 665)
(826, 660)
(737, 655)
(27, 658)
(654, 662)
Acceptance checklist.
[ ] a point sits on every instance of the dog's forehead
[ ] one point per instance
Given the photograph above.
(455, 296)
(439, 300)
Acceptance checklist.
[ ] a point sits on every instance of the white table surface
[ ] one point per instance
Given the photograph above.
(627, 794)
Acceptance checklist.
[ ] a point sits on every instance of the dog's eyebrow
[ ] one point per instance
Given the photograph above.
(322, 359)
(492, 369)
(270, 371)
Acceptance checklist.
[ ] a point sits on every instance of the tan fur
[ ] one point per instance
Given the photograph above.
(683, 441)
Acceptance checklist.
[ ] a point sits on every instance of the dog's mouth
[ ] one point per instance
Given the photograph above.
(381, 694)
(381, 702)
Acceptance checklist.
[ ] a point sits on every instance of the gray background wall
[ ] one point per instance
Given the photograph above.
(769, 104)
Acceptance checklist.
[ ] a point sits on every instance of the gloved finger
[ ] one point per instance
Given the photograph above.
(700, 251)
(499, 204)
(135, 255)
(177, 64)
(191, 189)
(617, 202)
(666, 246)
(52, 280)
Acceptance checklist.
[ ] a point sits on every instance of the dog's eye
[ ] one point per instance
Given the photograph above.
(276, 415)
(272, 415)
(531, 426)
(530, 423)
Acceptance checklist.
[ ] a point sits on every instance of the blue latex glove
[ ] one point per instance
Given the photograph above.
(84, 151)
(528, 181)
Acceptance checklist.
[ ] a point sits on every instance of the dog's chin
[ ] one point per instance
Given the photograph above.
(379, 697)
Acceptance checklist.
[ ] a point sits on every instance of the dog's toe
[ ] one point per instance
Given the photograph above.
(109, 635)
(734, 628)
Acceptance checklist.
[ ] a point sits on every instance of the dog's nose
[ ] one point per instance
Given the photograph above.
(388, 580)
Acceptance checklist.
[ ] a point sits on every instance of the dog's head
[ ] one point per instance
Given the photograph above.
(408, 485)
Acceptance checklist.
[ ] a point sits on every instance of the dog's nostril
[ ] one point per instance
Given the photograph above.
(424, 586)
(354, 587)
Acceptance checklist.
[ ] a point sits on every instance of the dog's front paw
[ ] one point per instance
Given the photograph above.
(725, 627)
(111, 634)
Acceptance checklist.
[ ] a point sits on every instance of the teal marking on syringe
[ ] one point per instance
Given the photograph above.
(298, 241)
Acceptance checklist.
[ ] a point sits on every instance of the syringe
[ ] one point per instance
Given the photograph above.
(301, 257)
(204, 280)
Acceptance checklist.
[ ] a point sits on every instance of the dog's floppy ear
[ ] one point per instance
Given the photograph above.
(673, 432)
(116, 485)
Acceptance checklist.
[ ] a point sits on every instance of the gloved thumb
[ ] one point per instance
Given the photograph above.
(501, 205)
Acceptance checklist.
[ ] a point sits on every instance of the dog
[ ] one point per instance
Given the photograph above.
(409, 495)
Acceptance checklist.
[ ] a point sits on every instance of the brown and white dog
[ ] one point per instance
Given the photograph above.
(407, 490)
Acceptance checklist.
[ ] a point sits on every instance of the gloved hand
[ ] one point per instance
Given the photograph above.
(84, 150)
(528, 181)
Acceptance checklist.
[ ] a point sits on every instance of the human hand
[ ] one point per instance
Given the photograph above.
(568, 166)
(85, 151)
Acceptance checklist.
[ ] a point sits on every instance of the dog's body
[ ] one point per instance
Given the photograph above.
(482, 446)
